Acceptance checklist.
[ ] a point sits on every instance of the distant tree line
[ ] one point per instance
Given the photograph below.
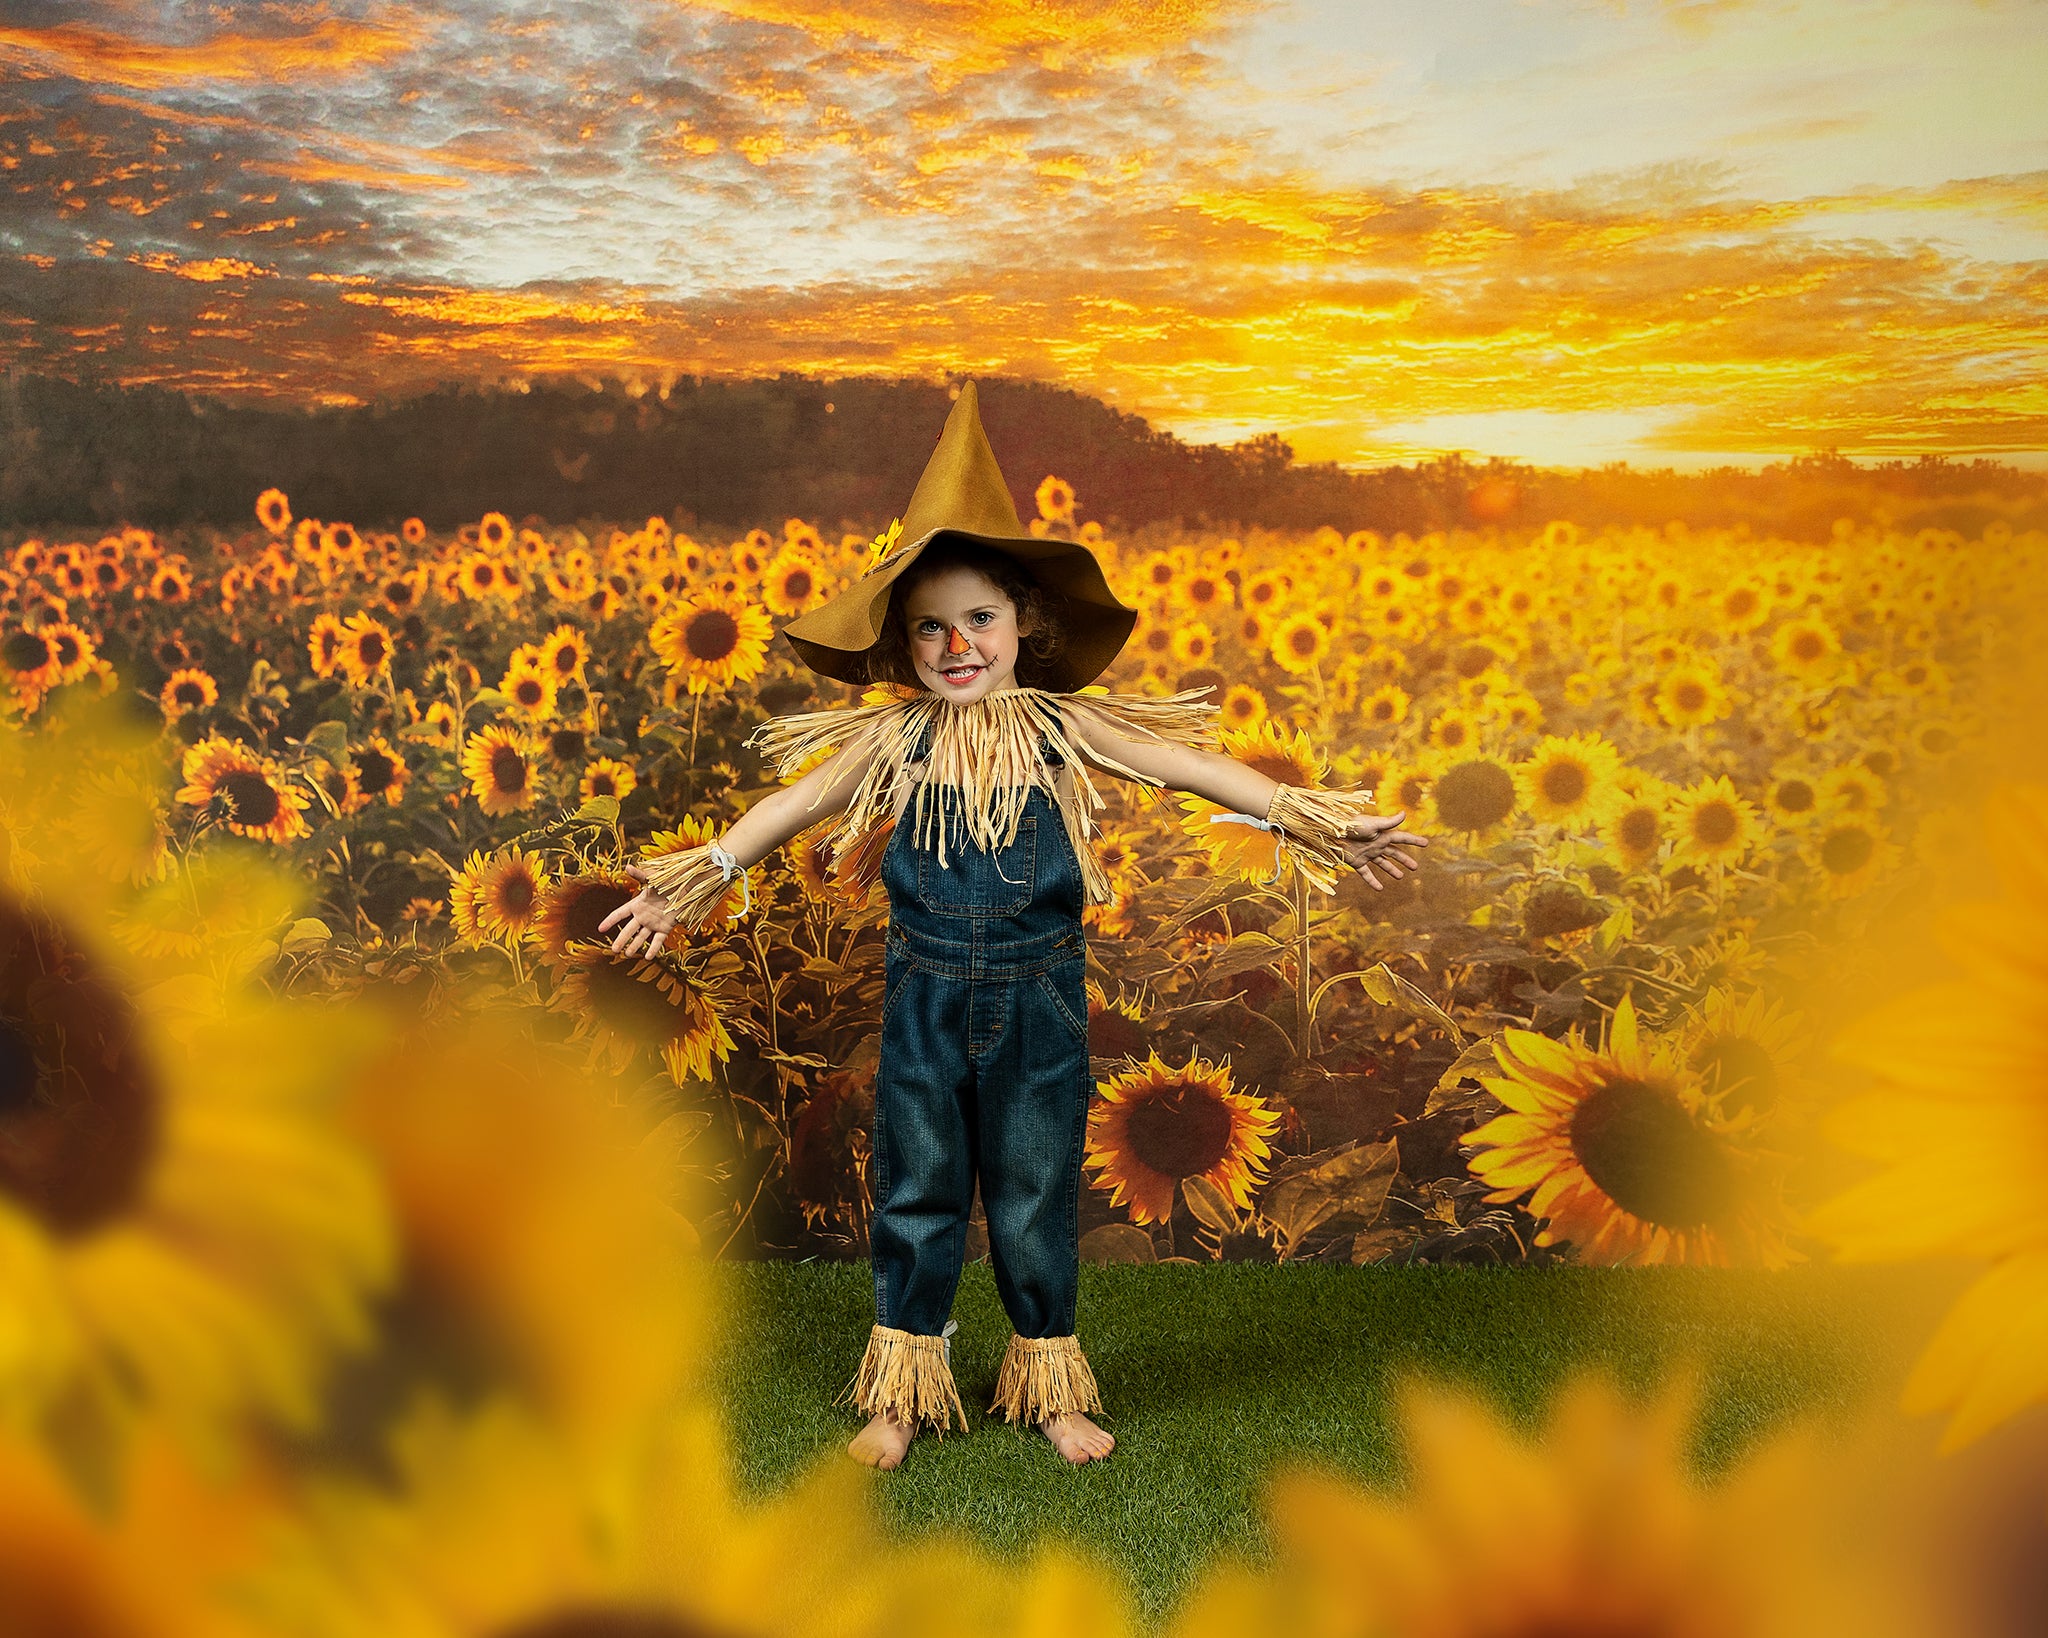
(732, 453)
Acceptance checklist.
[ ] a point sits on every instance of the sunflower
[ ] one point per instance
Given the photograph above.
(1194, 644)
(1711, 822)
(608, 776)
(1852, 789)
(438, 725)
(1243, 707)
(625, 1005)
(564, 652)
(1262, 593)
(1386, 707)
(1155, 1125)
(712, 640)
(510, 893)
(1807, 649)
(1849, 852)
(28, 661)
(479, 576)
(1743, 606)
(529, 690)
(339, 784)
(170, 583)
(380, 771)
(1454, 731)
(1958, 1122)
(1299, 643)
(1476, 795)
(1793, 798)
(413, 531)
(792, 583)
(494, 533)
(186, 690)
(498, 763)
(1569, 781)
(185, 1230)
(465, 895)
(365, 649)
(1620, 1153)
(1744, 1052)
(1283, 758)
(401, 593)
(1691, 696)
(243, 790)
(1636, 828)
(1055, 498)
(274, 511)
(573, 907)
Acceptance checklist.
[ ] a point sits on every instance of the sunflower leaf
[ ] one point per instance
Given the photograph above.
(599, 810)
(1118, 1243)
(1353, 1180)
(1209, 1204)
(329, 740)
(1476, 1058)
(1390, 989)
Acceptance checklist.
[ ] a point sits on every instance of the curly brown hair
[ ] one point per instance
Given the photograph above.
(1041, 613)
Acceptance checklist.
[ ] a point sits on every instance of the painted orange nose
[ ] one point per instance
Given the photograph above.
(956, 640)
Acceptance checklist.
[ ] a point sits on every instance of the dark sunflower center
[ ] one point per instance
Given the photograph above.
(374, 771)
(1643, 1149)
(1638, 830)
(1304, 640)
(508, 769)
(66, 649)
(1475, 795)
(1740, 1070)
(566, 744)
(1795, 796)
(1182, 1132)
(1937, 741)
(515, 894)
(253, 798)
(797, 585)
(566, 659)
(1807, 646)
(371, 649)
(528, 691)
(602, 784)
(1847, 850)
(1689, 696)
(1714, 824)
(587, 904)
(483, 574)
(1382, 710)
(711, 635)
(190, 694)
(1563, 784)
(1741, 604)
(639, 1012)
(1451, 735)
(79, 1116)
(25, 651)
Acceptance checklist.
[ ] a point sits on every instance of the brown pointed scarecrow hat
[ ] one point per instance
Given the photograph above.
(962, 497)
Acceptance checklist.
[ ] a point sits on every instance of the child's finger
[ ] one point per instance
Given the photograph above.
(654, 945)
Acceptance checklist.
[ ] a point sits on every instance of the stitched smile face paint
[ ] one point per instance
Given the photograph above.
(963, 635)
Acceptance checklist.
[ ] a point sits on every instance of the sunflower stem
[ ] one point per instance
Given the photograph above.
(1304, 1012)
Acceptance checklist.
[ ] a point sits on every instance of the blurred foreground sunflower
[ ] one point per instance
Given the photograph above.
(182, 1226)
(1598, 1527)
(623, 1005)
(1958, 1121)
(1618, 1150)
(1156, 1125)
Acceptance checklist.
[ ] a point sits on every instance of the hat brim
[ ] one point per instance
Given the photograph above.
(835, 638)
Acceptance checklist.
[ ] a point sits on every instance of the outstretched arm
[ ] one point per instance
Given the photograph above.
(647, 920)
(1368, 839)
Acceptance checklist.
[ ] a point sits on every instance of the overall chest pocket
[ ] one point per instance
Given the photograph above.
(977, 883)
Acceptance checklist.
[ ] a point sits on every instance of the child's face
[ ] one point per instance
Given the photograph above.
(963, 635)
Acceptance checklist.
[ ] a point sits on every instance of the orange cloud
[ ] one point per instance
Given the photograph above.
(333, 46)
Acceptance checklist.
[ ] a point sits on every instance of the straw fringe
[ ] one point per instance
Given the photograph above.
(1042, 1377)
(988, 750)
(907, 1377)
(1313, 823)
(689, 880)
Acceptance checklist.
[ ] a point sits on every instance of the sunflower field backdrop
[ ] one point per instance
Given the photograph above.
(1672, 778)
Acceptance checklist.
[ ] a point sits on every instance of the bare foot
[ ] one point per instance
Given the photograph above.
(881, 1443)
(1077, 1438)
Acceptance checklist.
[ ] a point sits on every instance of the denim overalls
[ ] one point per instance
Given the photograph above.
(983, 1072)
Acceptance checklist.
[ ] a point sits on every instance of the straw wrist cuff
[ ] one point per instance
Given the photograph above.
(1312, 824)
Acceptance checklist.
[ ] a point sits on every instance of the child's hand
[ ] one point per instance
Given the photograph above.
(648, 920)
(1370, 839)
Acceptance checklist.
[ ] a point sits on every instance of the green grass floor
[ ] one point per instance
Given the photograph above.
(1214, 1374)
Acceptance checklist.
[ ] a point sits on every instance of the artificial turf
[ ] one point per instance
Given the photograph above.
(1215, 1373)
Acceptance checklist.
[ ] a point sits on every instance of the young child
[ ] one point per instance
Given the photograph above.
(976, 792)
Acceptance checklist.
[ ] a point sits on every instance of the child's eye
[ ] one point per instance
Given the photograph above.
(981, 617)
(927, 628)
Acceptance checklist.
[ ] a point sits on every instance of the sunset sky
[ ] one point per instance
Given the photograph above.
(1570, 231)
